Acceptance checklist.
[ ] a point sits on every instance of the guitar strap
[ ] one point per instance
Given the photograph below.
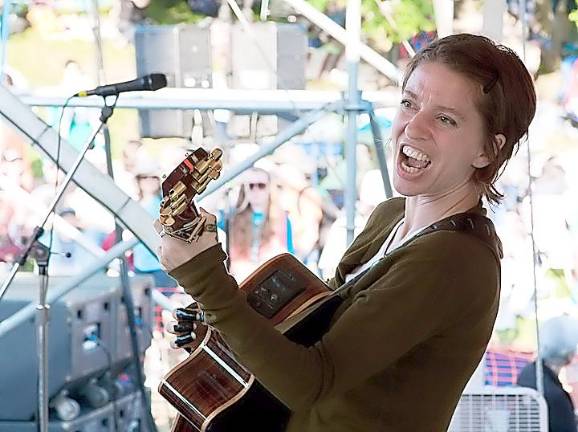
(474, 224)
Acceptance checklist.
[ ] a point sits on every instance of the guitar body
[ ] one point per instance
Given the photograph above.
(182, 425)
(214, 392)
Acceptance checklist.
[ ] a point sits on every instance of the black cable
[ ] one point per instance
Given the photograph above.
(113, 396)
(57, 162)
(134, 412)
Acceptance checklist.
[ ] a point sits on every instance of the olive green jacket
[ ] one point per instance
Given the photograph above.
(401, 347)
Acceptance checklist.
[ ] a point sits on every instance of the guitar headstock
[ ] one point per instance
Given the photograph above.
(178, 215)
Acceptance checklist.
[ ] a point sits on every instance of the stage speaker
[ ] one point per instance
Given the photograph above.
(122, 415)
(183, 54)
(129, 414)
(141, 288)
(79, 340)
(82, 339)
(271, 56)
(98, 420)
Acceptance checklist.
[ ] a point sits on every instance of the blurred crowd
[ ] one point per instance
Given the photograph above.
(292, 202)
(553, 256)
(283, 204)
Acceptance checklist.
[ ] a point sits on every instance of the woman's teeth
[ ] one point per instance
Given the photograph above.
(412, 160)
(409, 169)
(414, 153)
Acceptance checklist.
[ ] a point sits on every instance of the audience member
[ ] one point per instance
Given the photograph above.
(558, 339)
(304, 207)
(371, 193)
(259, 228)
(150, 196)
(68, 256)
(78, 123)
(10, 236)
(124, 168)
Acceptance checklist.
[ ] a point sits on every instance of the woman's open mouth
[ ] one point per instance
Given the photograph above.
(413, 161)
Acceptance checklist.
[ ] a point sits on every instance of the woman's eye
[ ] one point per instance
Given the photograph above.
(405, 103)
(447, 120)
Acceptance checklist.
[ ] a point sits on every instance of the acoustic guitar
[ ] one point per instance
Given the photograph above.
(211, 390)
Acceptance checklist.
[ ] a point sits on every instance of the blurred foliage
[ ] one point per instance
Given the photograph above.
(171, 12)
(410, 17)
(573, 16)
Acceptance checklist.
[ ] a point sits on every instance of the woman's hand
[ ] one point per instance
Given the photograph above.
(174, 252)
(187, 321)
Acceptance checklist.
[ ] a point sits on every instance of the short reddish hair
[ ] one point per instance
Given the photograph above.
(507, 99)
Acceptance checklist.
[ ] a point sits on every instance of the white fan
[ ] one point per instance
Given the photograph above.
(500, 409)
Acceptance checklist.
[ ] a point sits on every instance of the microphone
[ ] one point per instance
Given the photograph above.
(149, 82)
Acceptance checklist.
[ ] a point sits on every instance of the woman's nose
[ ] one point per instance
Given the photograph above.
(417, 127)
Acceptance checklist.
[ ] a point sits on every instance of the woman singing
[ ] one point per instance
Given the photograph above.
(415, 324)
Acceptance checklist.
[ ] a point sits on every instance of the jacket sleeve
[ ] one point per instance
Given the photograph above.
(398, 310)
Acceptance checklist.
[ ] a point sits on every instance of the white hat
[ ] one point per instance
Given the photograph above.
(558, 337)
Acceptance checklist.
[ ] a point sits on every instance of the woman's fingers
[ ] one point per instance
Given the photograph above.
(210, 216)
(173, 252)
(187, 314)
(178, 328)
(187, 321)
(183, 341)
(210, 224)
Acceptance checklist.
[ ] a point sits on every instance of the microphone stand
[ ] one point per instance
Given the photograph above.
(43, 254)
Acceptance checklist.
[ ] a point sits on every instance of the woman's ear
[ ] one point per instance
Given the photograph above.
(483, 160)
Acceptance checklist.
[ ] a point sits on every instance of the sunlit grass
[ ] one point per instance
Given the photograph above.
(40, 57)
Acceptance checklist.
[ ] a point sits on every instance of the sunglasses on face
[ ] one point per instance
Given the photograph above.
(259, 186)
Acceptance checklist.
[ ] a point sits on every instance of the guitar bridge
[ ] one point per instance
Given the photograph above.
(274, 293)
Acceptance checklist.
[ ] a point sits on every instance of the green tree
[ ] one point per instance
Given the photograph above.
(171, 12)
(408, 17)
